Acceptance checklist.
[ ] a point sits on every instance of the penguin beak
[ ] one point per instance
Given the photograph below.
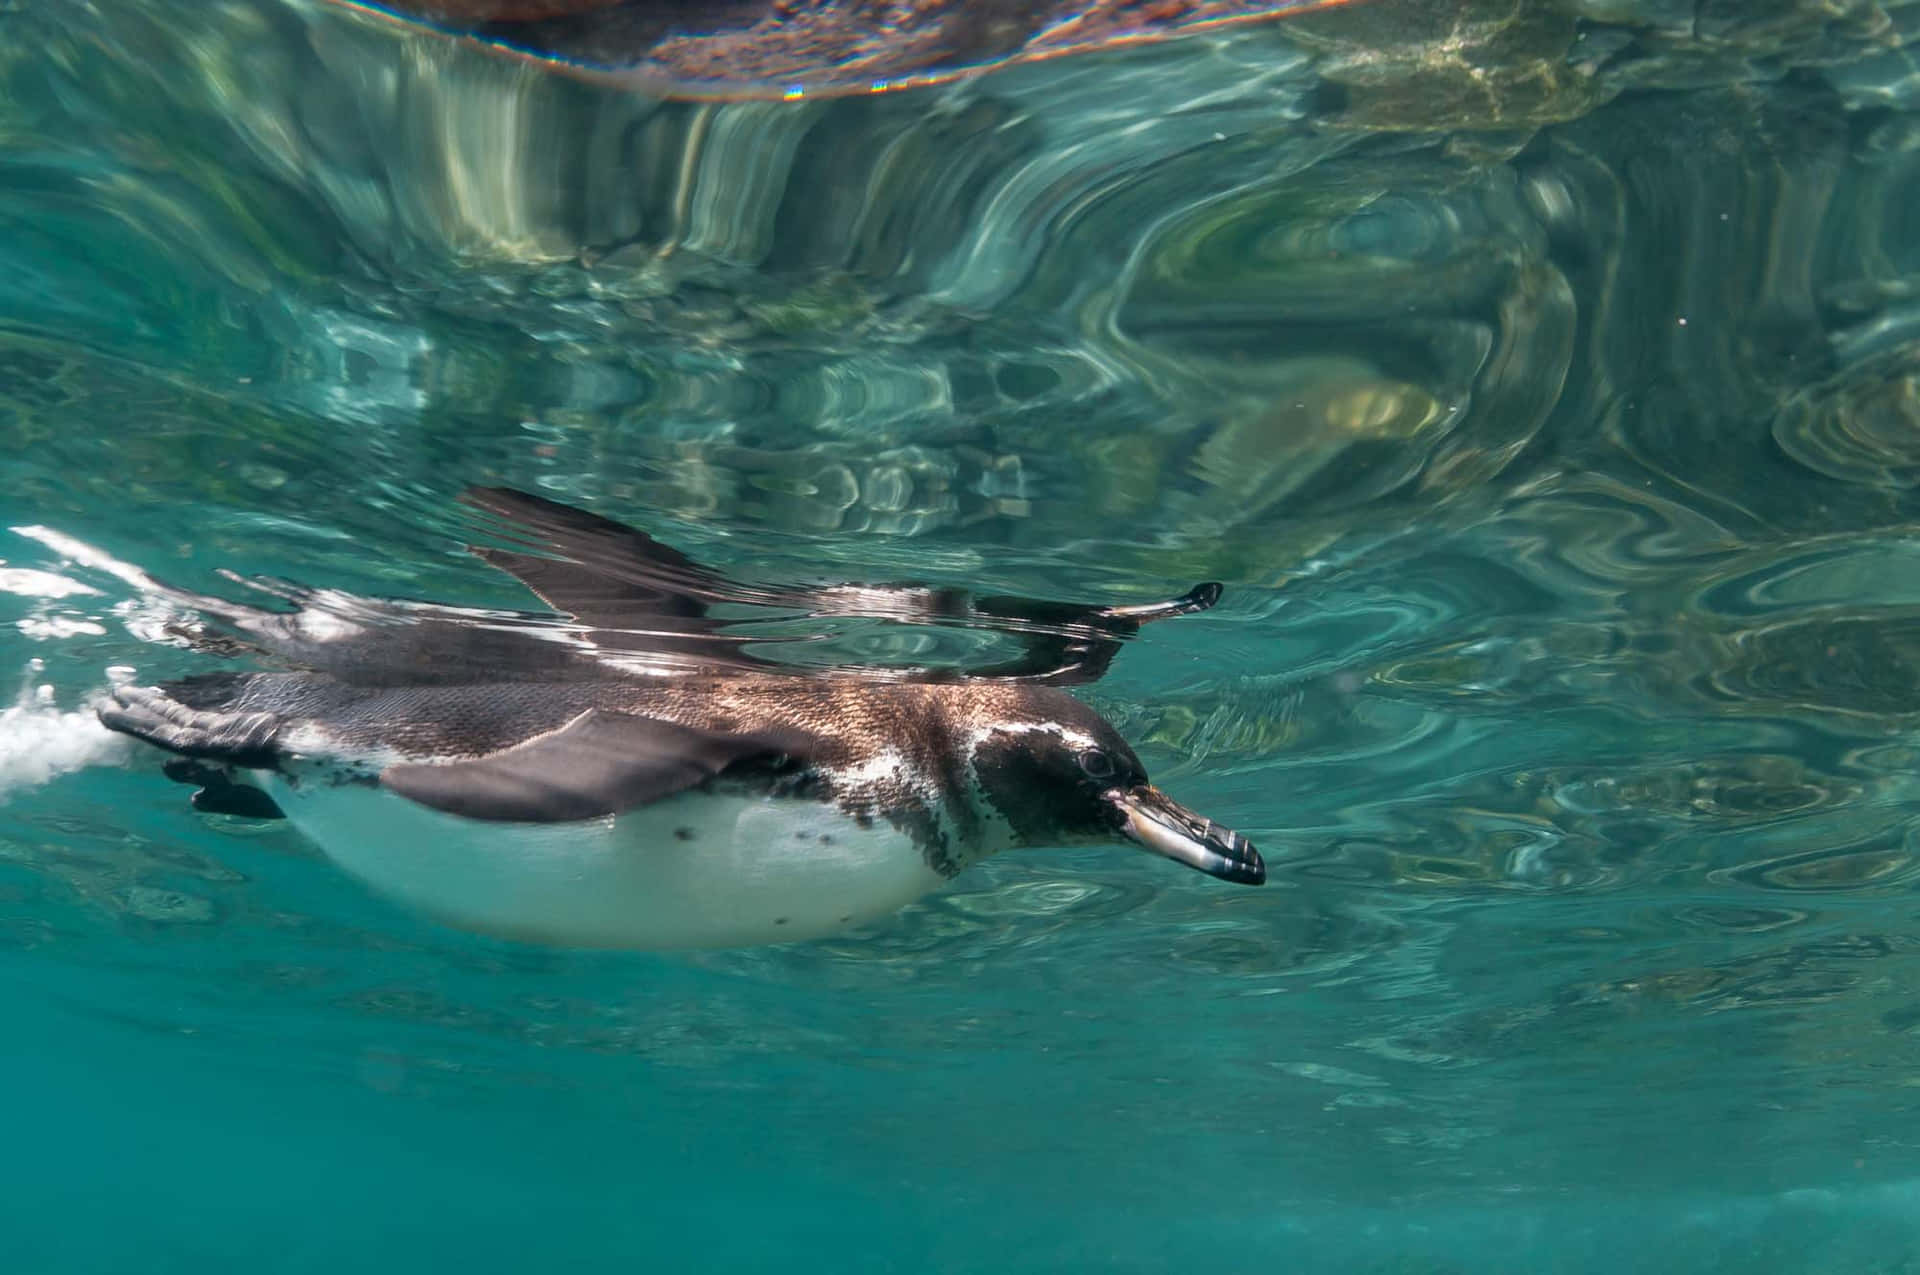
(1154, 820)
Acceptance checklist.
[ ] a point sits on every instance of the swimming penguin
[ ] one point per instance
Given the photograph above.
(635, 777)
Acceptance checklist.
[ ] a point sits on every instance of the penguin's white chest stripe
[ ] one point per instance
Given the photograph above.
(699, 869)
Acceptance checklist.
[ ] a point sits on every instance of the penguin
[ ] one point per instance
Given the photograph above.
(625, 772)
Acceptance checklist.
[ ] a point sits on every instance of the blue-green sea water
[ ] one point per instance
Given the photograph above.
(1541, 378)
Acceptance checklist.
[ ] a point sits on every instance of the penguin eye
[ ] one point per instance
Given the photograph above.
(1097, 764)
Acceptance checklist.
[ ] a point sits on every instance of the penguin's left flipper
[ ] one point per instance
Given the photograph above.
(600, 763)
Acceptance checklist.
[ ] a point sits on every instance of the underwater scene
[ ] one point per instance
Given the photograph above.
(1528, 879)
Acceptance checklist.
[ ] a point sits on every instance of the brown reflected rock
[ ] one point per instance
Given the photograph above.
(501, 10)
(746, 46)
(1431, 65)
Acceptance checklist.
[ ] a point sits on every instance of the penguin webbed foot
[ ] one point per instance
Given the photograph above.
(218, 794)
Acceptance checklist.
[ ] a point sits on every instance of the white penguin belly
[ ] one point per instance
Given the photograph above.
(695, 870)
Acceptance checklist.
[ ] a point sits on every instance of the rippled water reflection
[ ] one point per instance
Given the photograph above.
(1541, 379)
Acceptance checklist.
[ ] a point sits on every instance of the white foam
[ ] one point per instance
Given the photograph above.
(38, 741)
(83, 554)
(47, 628)
(28, 583)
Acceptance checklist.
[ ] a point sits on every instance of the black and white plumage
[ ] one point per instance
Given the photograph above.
(638, 778)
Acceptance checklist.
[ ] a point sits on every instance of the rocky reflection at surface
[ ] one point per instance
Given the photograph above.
(1540, 377)
(769, 48)
(1294, 312)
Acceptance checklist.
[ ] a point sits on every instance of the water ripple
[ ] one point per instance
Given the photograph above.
(1539, 379)
(1863, 425)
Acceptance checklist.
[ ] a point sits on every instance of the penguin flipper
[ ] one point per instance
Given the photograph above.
(600, 763)
(635, 593)
(601, 572)
(1066, 643)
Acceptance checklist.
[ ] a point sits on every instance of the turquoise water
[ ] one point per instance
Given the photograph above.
(1543, 381)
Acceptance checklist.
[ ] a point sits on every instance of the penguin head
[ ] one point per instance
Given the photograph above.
(1060, 774)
